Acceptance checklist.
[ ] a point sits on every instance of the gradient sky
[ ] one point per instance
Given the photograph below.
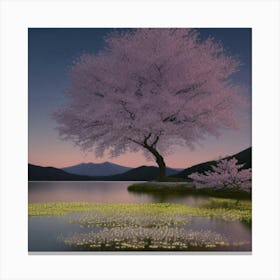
(50, 53)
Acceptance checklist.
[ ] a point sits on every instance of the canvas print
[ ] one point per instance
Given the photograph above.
(139, 139)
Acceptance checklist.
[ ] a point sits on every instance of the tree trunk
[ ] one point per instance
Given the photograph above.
(159, 160)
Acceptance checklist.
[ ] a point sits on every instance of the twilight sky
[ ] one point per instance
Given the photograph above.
(50, 53)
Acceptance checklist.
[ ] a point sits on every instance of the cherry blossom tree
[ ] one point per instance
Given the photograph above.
(227, 174)
(149, 90)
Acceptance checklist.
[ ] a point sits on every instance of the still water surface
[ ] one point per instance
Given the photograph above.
(45, 233)
(99, 192)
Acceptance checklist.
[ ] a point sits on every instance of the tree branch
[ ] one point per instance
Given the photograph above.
(136, 142)
(190, 88)
(131, 114)
(159, 69)
(98, 94)
(146, 139)
(156, 139)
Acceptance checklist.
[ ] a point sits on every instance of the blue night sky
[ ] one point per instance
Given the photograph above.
(50, 53)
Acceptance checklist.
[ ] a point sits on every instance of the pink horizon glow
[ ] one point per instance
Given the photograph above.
(64, 156)
(50, 151)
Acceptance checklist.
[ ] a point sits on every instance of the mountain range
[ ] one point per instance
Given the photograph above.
(142, 173)
(39, 173)
(97, 169)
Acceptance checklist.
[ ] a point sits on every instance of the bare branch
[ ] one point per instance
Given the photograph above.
(131, 114)
(159, 69)
(146, 139)
(156, 140)
(99, 94)
(190, 88)
(136, 142)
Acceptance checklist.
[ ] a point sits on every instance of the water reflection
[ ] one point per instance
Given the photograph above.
(48, 233)
(233, 230)
(100, 192)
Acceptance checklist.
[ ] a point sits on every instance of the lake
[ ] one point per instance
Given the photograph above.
(46, 233)
(99, 191)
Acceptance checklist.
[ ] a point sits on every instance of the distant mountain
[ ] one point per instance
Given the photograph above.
(39, 173)
(142, 173)
(244, 156)
(97, 169)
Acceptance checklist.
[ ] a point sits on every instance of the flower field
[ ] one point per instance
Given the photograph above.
(147, 226)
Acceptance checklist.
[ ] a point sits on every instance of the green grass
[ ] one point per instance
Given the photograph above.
(214, 203)
(173, 179)
(225, 209)
(181, 188)
(157, 188)
(233, 209)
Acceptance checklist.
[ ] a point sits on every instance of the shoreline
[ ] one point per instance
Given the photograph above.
(186, 188)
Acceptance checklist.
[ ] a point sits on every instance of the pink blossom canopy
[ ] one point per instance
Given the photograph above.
(162, 86)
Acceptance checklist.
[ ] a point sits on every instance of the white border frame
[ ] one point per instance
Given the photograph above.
(17, 16)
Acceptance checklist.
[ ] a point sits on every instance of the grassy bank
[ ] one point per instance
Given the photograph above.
(186, 188)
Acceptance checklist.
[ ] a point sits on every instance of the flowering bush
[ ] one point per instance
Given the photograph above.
(227, 174)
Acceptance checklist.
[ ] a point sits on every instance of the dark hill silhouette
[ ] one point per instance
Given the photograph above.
(39, 173)
(142, 173)
(244, 156)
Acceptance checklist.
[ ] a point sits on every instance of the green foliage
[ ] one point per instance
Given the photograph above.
(214, 203)
(158, 188)
(173, 179)
(232, 208)
(225, 209)
(187, 188)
